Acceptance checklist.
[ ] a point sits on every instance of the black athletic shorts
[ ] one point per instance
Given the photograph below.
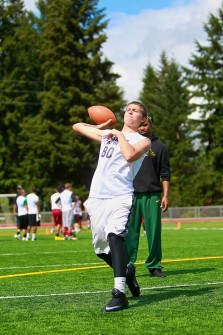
(32, 220)
(22, 221)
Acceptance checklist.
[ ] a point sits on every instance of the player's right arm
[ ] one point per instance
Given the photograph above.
(130, 152)
(94, 132)
(14, 209)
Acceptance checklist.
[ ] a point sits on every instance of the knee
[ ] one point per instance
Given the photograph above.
(113, 236)
(106, 257)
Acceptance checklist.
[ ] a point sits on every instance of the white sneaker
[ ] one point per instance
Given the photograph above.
(17, 236)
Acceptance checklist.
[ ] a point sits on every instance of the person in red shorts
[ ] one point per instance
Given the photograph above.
(56, 211)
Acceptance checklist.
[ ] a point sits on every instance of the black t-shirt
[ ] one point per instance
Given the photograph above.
(155, 168)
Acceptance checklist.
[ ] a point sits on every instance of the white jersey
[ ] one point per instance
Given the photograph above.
(32, 200)
(54, 197)
(21, 205)
(66, 200)
(114, 175)
(77, 208)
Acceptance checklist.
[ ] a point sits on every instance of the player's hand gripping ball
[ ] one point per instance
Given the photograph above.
(101, 114)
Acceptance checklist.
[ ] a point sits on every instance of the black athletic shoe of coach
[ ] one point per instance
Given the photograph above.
(157, 273)
(131, 280)
(117, 302)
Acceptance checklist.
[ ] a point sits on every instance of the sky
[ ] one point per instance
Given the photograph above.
(139, 30)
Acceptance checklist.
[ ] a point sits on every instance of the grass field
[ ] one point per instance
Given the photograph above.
(59, 287)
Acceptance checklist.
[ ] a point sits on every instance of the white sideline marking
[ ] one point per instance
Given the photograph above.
(195, 228)
(203, 228)
(100, 263)
(50, 266)
(99, 292)
(46, 252)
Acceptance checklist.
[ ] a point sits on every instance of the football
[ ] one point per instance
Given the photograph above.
(101, 114)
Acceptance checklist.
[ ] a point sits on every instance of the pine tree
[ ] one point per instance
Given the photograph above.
(150, 89)
(76, 75)
(166, 98)
(205, 76)
(19, 75)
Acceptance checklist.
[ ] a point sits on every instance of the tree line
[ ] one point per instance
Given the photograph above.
(52, 69)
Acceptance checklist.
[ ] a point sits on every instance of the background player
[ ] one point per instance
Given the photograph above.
(152, 179)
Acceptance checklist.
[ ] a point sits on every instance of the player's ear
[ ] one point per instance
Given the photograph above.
(143, 121)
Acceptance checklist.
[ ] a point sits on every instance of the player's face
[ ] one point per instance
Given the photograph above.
(23, 192)
(145, 127)
(20, 191)
(133, 115)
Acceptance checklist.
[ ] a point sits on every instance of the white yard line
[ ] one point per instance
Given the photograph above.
(95, 264)
(195, 228)
(46, 252)
(99, 292)
(50, 266)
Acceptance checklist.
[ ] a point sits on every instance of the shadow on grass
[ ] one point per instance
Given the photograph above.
(185, 271)
(167, 294)
(180, 272)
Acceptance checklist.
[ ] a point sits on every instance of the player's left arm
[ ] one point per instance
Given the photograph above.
(164, 201)
(131, 152)
(165, 177)
(25, 204)
(38, 206)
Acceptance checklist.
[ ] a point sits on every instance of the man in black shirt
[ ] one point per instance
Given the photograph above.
(152, 180)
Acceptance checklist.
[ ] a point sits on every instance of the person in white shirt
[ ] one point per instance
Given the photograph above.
(33, 214)
(77, 214)
(67, 200)
(19, 192)
(22, 217)
(111, 194)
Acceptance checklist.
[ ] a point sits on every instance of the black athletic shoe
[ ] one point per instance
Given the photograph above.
(117, 302)
(157, 273)
(131, 280)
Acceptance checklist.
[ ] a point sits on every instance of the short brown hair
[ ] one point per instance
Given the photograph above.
(141, 106)
(67, 185)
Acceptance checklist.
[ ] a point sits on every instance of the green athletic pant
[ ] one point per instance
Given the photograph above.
(147, 206)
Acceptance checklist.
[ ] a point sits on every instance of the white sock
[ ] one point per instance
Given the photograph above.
(34, 236)
(120, 283)
(27, 236)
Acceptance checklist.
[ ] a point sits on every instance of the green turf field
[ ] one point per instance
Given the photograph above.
(59, 287)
